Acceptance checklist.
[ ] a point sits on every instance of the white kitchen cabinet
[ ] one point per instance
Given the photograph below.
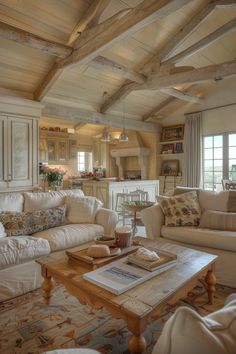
(18, 144)
(106, 190)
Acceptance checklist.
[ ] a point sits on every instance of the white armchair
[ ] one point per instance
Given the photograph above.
(187, 332)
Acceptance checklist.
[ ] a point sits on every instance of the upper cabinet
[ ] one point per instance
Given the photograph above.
(18, 143)
(56, 147)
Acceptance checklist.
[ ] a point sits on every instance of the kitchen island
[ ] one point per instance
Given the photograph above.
(106, 189)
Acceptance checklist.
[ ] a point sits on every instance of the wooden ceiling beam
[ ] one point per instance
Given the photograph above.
(90, 18)
(31, 40)
(111, 33)
(212, 72)
(105, 64)
(204, 42)
(184, 96)
(172, 43)
(79, 125)
(89, 117)
(149, 115)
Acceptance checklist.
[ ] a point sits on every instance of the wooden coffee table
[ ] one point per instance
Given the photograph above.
(144, 302)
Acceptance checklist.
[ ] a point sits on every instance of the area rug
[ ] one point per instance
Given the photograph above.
(27, 326)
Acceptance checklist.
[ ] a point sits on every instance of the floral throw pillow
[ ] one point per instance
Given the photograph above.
(182, 210)
(27, 223)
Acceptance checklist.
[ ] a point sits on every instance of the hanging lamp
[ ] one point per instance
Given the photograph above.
(106, 136)
(124, 138)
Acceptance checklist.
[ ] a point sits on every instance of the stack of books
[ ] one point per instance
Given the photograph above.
(166, 259)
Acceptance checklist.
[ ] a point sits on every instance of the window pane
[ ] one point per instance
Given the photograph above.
(208, 153)
(218, 141)
(218, 165)
(208, 165)
(218, 153)
(208, 142)
(218, 187)
(208, 186)
(232, 165)
(208, 177)
(232, 139)
(232, 152)
(218, 177)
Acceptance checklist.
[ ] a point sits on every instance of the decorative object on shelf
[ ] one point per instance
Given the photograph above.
(54, 177)
(170, 168)
(167, 149)
(178, 148)
(173, 132)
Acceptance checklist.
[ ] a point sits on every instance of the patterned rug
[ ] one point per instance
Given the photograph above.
(27, 326)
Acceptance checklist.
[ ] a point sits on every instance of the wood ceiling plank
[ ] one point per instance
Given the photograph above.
(182, 95)
(149, 115)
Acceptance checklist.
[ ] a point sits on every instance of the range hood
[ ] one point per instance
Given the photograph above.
(135, 148)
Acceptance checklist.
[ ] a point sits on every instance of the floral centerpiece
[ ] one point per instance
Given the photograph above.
(53, 176)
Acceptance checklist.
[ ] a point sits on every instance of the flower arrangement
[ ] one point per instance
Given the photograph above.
(53, 176)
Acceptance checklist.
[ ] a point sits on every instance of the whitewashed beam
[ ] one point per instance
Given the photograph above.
(149, 115)
(204, 42)
(184, 96)
(125, 89)
(31, 40)
(225, 3)
(168, 47)
(84, 116)
(90, 18)
(142, 15)
(212, 72)
(105, 64)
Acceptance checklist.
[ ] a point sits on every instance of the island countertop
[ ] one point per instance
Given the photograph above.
(106, 189)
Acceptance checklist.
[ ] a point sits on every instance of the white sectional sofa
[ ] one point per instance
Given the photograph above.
(74, 220)
(219, 237)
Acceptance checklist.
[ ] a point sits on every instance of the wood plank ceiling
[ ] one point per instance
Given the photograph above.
(69, 52)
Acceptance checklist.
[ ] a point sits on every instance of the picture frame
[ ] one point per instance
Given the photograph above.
(168, 149)
(173, 132)
(170, 168)
(178, 148)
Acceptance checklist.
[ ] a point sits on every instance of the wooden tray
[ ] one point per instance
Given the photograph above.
(81, 257)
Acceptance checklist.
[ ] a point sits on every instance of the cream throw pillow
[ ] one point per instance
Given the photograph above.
(81, 210)
(186, 332)
(218, 220)
(182, 210)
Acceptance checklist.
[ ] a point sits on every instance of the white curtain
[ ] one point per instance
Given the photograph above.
(192, 150)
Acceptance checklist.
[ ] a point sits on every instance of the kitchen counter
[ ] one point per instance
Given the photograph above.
(106, 189)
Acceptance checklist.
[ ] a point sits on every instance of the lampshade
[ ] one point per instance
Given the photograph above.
(106, 136)
(124, 136)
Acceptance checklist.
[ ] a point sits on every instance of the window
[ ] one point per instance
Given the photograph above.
(84, 161)
(219, 160)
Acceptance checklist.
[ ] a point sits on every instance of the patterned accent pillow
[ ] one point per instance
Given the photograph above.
(182, 210)
(29, 222)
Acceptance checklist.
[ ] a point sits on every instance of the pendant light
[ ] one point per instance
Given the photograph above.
(106, 136)
(124, 138)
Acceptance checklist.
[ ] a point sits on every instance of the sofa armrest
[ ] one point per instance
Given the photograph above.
(108, 219)
(153, 219)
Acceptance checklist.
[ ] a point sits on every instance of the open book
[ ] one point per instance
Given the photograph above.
(120, 276)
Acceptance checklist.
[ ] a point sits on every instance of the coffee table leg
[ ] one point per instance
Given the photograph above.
(137, 344)
(211, 282)
(46, 286)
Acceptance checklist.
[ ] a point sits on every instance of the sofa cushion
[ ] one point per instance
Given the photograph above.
(70, 235)
(11, 202)
(82, 209)
(27, 223)
(209, 200)
(224, 240)
(20, 249)
(218, 220)
(181, 210)
(2, 231)
(187, 332)
(46, 200)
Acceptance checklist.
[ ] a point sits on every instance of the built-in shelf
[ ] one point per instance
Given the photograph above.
(170, 142)
(175, 154)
